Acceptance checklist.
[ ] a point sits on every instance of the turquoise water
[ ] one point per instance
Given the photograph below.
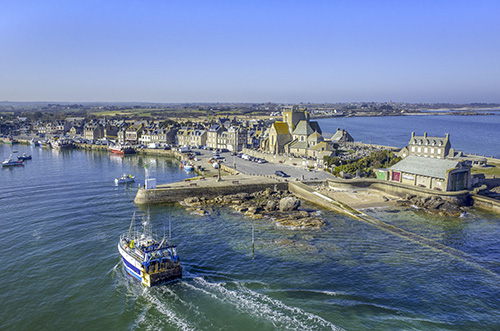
(470, 134)
(62, 215)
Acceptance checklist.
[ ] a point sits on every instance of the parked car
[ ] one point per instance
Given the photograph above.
(280, 173)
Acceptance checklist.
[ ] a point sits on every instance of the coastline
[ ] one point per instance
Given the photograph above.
(353, 197)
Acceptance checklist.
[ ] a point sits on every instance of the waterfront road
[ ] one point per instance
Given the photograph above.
(253, 168)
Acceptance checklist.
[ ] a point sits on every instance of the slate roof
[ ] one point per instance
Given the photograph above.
(303, 128)
(280, 127)
(315, 137)
(431, 141)
(342, 135)
(315, 126)
(322, 146)
(299, 144)
(436, 168)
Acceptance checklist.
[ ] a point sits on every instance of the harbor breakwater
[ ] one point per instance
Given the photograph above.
(207, 187)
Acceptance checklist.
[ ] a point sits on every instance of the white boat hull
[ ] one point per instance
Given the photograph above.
(133, 267)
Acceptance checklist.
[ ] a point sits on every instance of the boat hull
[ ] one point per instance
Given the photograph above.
(122, 151)
(137, 270)
(123, 181)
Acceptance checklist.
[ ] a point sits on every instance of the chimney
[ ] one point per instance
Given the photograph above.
(447, 136)
(425, 134)
(413, 134)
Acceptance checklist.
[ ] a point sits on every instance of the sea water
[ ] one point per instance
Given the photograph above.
(476, 134)
(62, 215)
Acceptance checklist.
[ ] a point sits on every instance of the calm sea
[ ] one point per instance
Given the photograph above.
(471, 134)
(62, 214)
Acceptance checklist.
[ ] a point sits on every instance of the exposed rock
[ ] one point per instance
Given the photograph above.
(280, 205)
(303, 213)
(434, 204)
(448, 208)
(200, 212)
(271, 205)
(289, 203)
(193, 201)
(301, 223)
(241, 209)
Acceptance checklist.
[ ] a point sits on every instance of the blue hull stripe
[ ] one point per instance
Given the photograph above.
(131, 273)
(130, 266)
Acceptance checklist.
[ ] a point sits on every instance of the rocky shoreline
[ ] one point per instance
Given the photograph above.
(279, 206)
(434, 204)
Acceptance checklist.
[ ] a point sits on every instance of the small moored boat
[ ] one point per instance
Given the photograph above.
(24, 157)
(148, 259)
(121, 149)
(125, 179)
(187, 166)
(11, 163)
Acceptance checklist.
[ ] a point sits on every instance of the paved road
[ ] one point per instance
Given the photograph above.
(249, 167)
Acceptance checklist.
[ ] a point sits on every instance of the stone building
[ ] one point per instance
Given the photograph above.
(296, 135)
(278, 137)
(431, 173)
(426, 146)
(342, 136)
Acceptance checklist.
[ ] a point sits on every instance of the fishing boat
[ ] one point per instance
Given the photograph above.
(121, 149)
(187, 166)
(62, 144)
(24, 157)
(9, 140)
(148, 259)
(125, 179)
(11, 163)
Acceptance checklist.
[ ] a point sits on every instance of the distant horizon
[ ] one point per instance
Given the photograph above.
(249, 102)
(315, 51)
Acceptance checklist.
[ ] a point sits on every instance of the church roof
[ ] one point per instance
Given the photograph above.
(303, 128)
(315, 136)
(299, 144)
(315, 126)
(281, 128)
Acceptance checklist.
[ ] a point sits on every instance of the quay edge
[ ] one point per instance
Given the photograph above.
(171, 193)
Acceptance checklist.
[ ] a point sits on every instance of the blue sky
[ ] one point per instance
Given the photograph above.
(250, 51)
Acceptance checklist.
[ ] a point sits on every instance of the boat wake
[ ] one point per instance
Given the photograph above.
(200, 304)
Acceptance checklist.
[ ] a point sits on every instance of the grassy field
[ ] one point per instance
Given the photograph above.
(493, 168)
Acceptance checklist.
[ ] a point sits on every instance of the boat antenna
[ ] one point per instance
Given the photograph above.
(169, 232)
(253, 241)
(131, 225)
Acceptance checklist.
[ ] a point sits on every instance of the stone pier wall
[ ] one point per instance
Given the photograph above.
(401, 190)
(169, 195)
(486, 203)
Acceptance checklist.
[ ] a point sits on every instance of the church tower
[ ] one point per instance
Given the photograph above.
(292, 115)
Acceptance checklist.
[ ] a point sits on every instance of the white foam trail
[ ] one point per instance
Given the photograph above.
(171, 316)
(262, 306)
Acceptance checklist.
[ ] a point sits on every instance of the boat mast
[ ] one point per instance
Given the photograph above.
(169, 232)
(131, 225)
